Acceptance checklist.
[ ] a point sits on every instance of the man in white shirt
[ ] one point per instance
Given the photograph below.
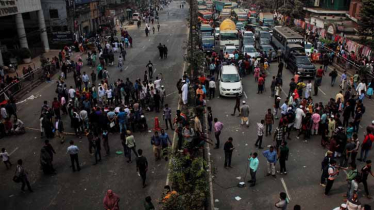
(71, 93)
(84, 116)
(212, 88)
(73, 152)
(4, 113)
(157, 83)
(85, 80)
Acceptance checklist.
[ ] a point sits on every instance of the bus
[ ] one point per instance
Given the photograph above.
(283, 36)
(205, 16)
(206, 30)
(239, 15)
(226, 13)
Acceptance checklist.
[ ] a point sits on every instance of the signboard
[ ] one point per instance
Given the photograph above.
(62, 36)
(77, 2)
(8, 7)
(294, 41)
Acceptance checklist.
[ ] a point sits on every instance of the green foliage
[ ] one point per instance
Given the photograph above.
(366, 23)
(293, 8)
(189, 178)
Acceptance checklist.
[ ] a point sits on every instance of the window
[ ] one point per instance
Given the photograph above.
(53, 13)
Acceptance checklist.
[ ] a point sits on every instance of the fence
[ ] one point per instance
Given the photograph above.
(27, 82)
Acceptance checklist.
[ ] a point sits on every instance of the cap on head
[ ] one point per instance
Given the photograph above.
(243, 102)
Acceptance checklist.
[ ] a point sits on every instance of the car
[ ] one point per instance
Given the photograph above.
(300, 64)
(230, 82)
(248, 40)
(251, 51)
(239, 26)
(263, 28)
(248, 34)
(267, 48)
(230, 50)
(216, 33)
(308, 48)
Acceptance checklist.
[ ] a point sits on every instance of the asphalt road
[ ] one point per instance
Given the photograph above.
(86, 189)
(303, 166)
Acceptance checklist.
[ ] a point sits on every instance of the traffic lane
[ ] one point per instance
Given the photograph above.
(300, 170)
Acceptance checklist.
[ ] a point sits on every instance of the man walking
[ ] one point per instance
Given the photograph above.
(237, 104)
(244, 112)
(73, 152)
(283, 157)
(260, 134)
(218, 126)
(253, 166)
(212, 88)
(332, 173)
(150, 69)
(167, 117)
(156, 142)
(271, 157)
(365, 171)
(97, 148)
(366, 145)
(142, 166)
(228, 148)
(269, 121)
(333, 75)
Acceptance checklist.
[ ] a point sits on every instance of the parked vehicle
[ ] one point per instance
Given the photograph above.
(207, 44)
(230, 82)
(229, 50)
(266, 19)
(228, 34)
(267, 48)
(251, 51)
(296, 60)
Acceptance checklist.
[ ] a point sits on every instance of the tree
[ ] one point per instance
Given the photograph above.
(293, 8)
(366, 21)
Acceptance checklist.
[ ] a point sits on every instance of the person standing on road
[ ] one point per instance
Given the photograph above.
(6, 159)
(212, 88)
(283, 201)
(271, 157)
(319, 74)
(365, 171)
(73, 152)
(156, 143)
(333, 75)
(97, 147)
(332, 173)
(158, 27)
(253, 166)
(279, 135)
(111, 201)
(280, 68)
(130, 143)
(165, 142)
(237, 104)
(244, 112)
(228, 148)
(218, 126)
(283, 152)
(260, 134)
(269, 121)
(167, 117)
(22, 175)
(142, 166)
(366, 145)
(150, 69)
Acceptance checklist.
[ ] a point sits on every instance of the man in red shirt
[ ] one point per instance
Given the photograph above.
(261, 82)
(56, 107)
(366, 145)
(319, 74)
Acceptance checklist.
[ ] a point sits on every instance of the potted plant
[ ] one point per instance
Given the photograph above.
(25, 54)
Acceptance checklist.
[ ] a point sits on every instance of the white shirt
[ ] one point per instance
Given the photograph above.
(85, 78)
(157, 83)
(101, 92)
(4, 114)
(71, 93)
(5, 156)
(212, 84)
(83, 114)
(109, 93)
(72, 150)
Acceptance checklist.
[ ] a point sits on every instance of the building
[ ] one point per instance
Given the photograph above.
(354, 10)
(327, 7)
(28, 17)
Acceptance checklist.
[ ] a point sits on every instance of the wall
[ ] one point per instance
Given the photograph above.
(60, 5)
(20, 6)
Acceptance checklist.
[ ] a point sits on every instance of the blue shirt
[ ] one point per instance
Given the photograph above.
(165, 139)
(284, 108)
(270, 156)
(121, 117)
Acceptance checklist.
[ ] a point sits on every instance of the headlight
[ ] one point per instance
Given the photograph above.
(223, 89)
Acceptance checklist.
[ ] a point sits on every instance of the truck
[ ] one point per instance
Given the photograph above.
(228, 34)
(266, 19)
(220, 5)
(239, 15)
(226, 13)
(207, 43)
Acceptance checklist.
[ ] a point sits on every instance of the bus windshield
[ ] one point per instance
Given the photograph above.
(229, 36)
(207, 17)
(209, 41)
(244, 17)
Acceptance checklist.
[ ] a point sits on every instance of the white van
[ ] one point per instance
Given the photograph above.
(230, 82)
(135, 17)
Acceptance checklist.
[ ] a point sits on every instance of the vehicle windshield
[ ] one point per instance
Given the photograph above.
(268, 21)
(267, 48)
(242, 16)
(229, 36)
(308, 46)
(230, 78)
(264, 41)
(217, 30)
(265, 29)
(265, 35)
(302, 60)
(208, 41)
(230, 51)
(206, 17)
(248, 41)
(250, 49)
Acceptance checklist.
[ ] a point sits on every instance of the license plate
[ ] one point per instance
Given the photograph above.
(308, 75)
